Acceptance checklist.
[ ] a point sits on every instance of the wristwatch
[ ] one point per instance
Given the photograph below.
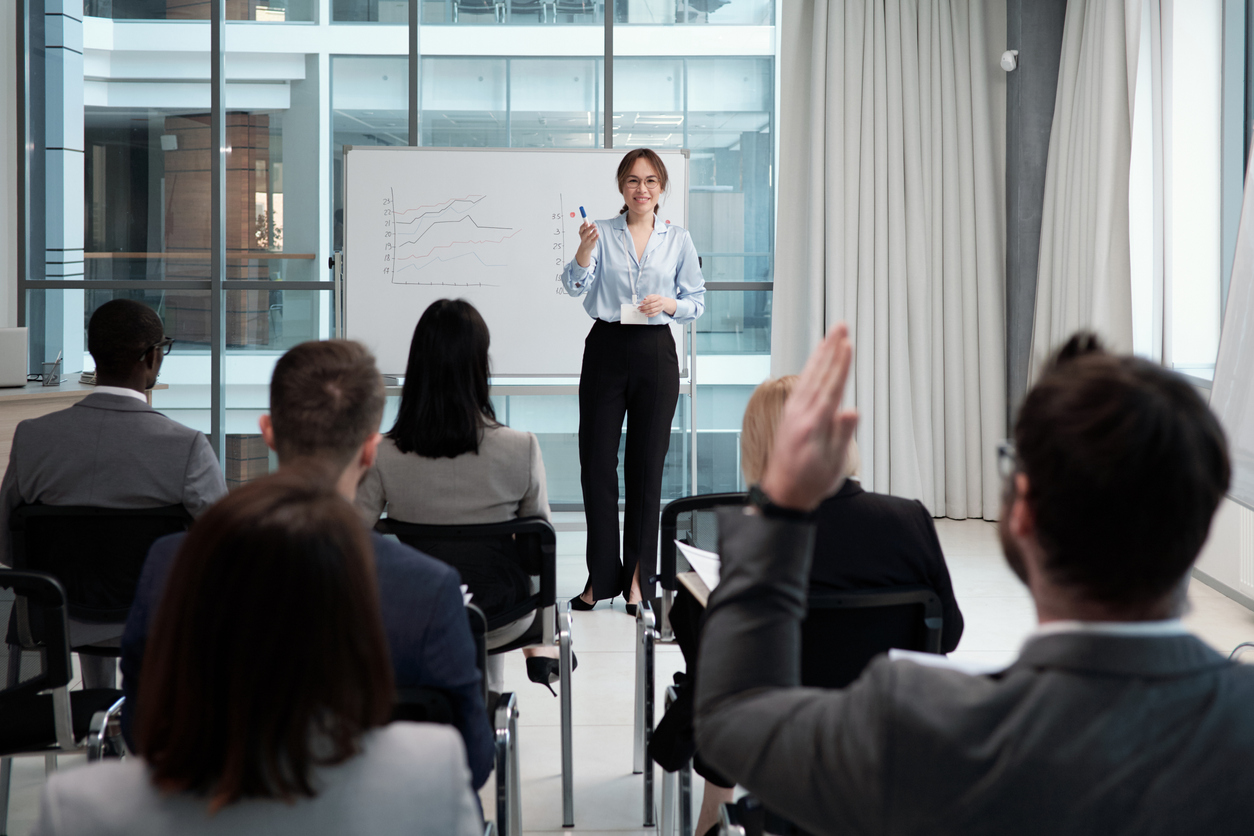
(758, 499)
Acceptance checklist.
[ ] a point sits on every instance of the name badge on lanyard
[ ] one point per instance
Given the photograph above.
(630, 313)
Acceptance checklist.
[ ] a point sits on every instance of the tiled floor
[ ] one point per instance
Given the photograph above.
(608, 798)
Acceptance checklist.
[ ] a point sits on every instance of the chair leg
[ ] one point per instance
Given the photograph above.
(646, 632)
(685, 800)
(508, 780)
(564, 662)
(6, 764)
(665, 633)
(666, 823)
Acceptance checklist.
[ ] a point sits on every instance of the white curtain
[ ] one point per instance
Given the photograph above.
(892, 218)
(1084, 278)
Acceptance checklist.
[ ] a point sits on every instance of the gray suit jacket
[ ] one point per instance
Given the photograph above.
(410, 779)
(109, 451)
(1083, 734)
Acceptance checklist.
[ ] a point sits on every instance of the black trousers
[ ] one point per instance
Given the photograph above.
(628, 370)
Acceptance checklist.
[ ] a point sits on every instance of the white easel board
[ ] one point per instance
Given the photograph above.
(492, 226)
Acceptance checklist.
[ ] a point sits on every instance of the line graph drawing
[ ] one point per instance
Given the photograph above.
(431, 244)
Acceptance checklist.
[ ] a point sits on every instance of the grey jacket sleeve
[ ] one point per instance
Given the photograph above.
(535, 502)
(812, 755)
(10, 498)
(371, 498)
(203, 482)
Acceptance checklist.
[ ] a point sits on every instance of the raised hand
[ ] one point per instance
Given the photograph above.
(588, 235)
(807, 463)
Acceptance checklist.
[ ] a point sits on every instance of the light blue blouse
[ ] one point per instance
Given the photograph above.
(669, 268)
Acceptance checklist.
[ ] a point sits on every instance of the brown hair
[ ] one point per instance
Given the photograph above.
(1125, 466)
(757, 432)
(650, 156)
(268, 656)
(326, 400)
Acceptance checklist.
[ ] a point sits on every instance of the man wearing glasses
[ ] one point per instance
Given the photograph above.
(1114, 718)
(111, 450)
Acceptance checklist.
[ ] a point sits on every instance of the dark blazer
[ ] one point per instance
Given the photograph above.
(1084, 734)
(868, 540)
(424, 620)
(109, 451)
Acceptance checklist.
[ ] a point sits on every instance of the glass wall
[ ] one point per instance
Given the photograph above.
(556, 12)
(127, 179)
(272, 11)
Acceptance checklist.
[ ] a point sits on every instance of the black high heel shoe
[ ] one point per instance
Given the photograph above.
(631, 609)
(578, 604)
(546, 670)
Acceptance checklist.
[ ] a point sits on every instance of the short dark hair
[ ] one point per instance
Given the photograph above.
(118, 333)
(326, 400)
(445, 403)
(1125, 465)
(268, 655)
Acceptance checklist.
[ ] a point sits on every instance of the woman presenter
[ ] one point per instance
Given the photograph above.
(637, 274)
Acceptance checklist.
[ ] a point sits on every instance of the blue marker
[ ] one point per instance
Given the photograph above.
(582, 213)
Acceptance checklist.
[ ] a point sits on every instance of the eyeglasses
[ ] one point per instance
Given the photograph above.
(165, 345)
(650, 183)
(1007, 460)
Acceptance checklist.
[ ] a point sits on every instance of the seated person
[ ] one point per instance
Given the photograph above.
(111, 450)
(447, 460)
(326, 401)
(268, 691)
(862, 540)
(1114, 719)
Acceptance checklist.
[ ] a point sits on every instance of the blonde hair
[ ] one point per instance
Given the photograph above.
(757, 432)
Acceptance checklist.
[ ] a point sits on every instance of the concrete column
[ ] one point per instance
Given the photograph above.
(1034, 27)
(63, 155)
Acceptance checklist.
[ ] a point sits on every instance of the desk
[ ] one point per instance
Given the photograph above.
(18, 403)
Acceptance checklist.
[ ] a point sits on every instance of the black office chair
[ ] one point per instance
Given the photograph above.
(40, 715)
(494, 7)
(692, 520)
(539, 8)
(844, 631)
(576, 7)
(96, 553)
(434, 705)
(529, 545)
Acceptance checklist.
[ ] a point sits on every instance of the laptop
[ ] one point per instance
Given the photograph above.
(12, 356)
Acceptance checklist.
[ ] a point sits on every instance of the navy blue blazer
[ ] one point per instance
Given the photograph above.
(424, 619)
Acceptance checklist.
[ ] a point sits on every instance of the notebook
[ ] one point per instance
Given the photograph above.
(12, 356)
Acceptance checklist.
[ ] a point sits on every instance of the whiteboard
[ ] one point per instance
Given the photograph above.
(492, 226)
(1232, 391)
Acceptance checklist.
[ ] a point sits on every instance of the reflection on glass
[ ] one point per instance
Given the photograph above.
(720, 109)
(263, 11)
(555, 102)
(147, 194)
(735, 322)
(369, 106)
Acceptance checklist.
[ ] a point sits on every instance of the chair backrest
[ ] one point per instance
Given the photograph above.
(43, 594)
(694, 520)
(843, 631)
(424, 705)
(491, 553)
(96, 553)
